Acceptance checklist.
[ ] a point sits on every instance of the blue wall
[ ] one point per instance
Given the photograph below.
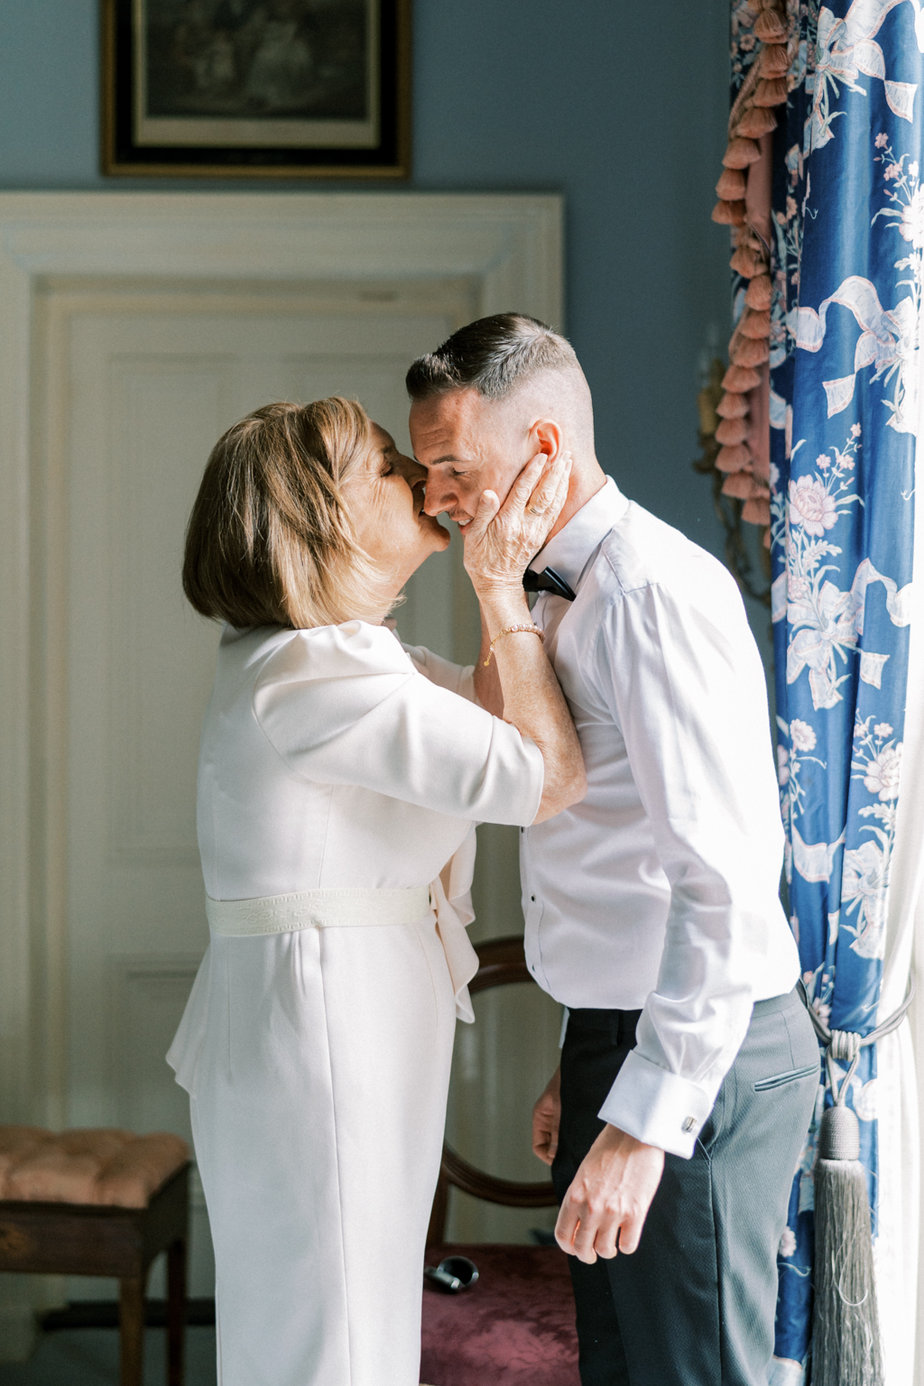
(620, 107)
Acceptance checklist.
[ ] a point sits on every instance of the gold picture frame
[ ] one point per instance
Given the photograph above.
(256, 88)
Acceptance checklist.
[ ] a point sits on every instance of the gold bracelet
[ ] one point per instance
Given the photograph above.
(511, 630)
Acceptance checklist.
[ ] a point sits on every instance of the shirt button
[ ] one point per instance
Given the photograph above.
(533, 899)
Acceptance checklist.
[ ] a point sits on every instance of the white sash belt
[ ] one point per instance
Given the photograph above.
(317, 909)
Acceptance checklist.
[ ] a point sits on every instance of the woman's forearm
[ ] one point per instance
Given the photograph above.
(532, 699)
(499, 542)
(487, 684)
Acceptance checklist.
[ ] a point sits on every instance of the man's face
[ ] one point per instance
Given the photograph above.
(467, 445)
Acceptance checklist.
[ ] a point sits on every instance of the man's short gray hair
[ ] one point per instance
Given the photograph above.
(492, 356)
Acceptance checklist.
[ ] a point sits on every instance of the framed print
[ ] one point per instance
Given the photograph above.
(256, 88)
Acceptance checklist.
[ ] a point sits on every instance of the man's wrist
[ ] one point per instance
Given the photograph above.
(615, 1135)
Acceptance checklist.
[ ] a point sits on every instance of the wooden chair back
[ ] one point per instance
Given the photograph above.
(516, 1322)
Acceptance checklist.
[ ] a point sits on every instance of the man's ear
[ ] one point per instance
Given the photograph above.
(546, 436)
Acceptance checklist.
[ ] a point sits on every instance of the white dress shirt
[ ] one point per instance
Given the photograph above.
(659, 890)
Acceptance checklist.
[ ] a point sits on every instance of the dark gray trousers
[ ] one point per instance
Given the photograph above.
(695, 1304)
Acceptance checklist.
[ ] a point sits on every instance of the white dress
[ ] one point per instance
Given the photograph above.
(343, 773)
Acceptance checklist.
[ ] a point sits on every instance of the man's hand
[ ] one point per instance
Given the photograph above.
(606, 1206)
(546, 1120)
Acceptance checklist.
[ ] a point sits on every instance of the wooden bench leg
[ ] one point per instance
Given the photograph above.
(131, 1334)
(176, 1311)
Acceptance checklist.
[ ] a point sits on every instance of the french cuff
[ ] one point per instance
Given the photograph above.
(655, 1106)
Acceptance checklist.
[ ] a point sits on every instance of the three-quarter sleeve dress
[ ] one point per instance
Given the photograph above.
(339, 779)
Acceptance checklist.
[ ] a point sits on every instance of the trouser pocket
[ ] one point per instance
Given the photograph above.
(791, 1075)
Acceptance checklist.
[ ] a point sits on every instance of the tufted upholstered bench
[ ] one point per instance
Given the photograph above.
(100, 1202)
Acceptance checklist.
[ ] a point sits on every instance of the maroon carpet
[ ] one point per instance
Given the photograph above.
(514, 1327)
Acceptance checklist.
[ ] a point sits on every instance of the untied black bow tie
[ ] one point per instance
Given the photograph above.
(547, 581)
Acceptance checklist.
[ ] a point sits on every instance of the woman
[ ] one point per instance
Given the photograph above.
(339, 778)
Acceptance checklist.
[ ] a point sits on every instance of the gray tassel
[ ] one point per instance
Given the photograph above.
(845, 1326)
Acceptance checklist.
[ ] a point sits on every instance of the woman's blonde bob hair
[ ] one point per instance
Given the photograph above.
(269, 539)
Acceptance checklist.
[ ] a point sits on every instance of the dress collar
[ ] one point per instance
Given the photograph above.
(569, 551)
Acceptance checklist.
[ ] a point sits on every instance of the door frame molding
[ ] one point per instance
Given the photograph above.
(506, 247)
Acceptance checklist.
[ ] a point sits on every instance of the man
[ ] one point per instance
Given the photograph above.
(689, 1067)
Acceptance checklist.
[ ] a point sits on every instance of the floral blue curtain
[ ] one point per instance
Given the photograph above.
(847, 267)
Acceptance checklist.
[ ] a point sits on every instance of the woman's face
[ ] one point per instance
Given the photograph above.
(384, 498)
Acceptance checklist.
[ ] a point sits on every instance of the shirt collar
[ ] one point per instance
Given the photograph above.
(570, 549)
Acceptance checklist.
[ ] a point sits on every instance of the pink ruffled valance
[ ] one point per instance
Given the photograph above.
(744, 190)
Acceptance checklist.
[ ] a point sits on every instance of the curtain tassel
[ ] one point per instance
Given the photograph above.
(846, 1347)
(845, 1323)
